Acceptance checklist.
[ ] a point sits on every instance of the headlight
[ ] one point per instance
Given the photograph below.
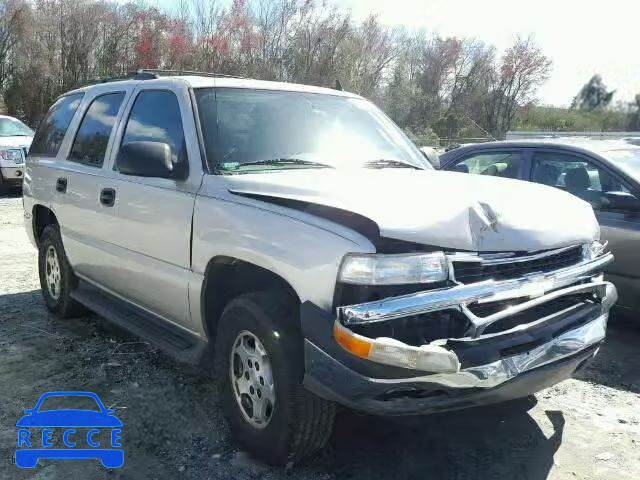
(379, 269)
(593, 249)
(12, 155)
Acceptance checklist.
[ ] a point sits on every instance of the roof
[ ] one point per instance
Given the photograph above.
(197, 81)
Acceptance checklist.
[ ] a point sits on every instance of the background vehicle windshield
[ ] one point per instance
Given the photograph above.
(628, 160)
(10, 127)
(242, 126)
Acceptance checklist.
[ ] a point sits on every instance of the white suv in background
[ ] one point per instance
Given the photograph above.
(15, 139)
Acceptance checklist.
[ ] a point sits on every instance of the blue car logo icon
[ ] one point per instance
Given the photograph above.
(84, 432)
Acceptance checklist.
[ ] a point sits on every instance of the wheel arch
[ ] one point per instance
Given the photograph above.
(41, 217)
(227, 277)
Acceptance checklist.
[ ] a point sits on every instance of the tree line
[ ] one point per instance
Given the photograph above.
(430, 85)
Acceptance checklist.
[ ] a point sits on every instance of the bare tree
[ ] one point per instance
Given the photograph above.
(13, 18)
(522, 70)
(430, 85)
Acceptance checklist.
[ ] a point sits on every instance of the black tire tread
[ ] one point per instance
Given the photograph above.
(311, 423)
(67, 307)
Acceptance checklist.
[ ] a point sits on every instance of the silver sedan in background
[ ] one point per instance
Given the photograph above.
(605, 173)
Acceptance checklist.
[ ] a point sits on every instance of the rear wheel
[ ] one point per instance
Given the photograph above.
(57, 280)
(260, 365)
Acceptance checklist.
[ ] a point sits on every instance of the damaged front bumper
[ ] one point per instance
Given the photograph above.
(488, 363)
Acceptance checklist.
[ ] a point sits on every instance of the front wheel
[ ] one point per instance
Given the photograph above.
(259, 362)
(57, 280)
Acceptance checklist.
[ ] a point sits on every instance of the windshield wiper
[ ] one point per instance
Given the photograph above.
(385, 163)
(286, 161)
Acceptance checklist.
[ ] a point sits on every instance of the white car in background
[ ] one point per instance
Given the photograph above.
(15, 140)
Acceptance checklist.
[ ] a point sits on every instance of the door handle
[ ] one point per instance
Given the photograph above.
(61, 185)
(108, 197)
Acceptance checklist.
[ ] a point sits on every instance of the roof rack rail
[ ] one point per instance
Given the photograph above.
(137, 75)
(169, 73)
(153, 73)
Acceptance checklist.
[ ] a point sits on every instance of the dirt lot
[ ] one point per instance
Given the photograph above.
(584, 428)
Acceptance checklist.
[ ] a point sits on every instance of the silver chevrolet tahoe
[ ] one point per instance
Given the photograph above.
(288, 238)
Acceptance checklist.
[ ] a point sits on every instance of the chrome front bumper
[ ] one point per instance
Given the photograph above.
(438, 357)
(493, 374)
(460, 296)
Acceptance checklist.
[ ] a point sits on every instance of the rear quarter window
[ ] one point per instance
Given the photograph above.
(52, 129)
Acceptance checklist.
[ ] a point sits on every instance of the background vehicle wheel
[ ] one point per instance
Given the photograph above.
(260, 365)
(57, 280)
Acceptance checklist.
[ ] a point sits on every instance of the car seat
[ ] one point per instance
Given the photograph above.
(495, 170)
(577, 182)
(546, 174)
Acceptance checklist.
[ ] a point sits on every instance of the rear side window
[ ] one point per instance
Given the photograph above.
(90, 144)
(52, 129)
(155, 116)
(576, 175)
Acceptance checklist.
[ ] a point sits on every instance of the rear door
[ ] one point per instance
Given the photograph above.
(66, 165)
(595, 182)
(81, 173)
(148, 260)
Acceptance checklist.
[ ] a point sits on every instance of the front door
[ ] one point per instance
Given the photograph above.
(150, 241)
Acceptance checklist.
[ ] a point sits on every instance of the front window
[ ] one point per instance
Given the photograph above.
(256, 130)
(495, 164)
(12, 127)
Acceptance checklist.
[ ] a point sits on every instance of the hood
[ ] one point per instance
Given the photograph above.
(15, 142)
(446, 209)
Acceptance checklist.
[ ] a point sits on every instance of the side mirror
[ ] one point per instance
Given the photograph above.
(431, 155)
(461, 167)
(149, 159)
(29, 410)
(621, 201)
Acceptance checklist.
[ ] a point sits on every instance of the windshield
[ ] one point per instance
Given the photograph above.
(627, 160)
(256, 130)
(11, 127)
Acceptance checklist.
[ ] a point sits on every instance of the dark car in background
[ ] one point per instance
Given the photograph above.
(602, 172)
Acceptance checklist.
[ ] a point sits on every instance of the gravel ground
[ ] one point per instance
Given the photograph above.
(583, 428)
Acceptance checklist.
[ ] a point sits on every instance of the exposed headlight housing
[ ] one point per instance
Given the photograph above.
(593, 250)
(397, 269)
(12, 155)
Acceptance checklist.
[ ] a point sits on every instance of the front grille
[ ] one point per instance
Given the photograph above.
(418, 330)
(470, 272)
(541, 311)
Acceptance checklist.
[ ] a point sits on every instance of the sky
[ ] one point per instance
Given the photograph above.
(581, 37)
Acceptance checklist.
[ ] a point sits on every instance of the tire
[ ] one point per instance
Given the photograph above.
(58, 300)
(300, 422)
